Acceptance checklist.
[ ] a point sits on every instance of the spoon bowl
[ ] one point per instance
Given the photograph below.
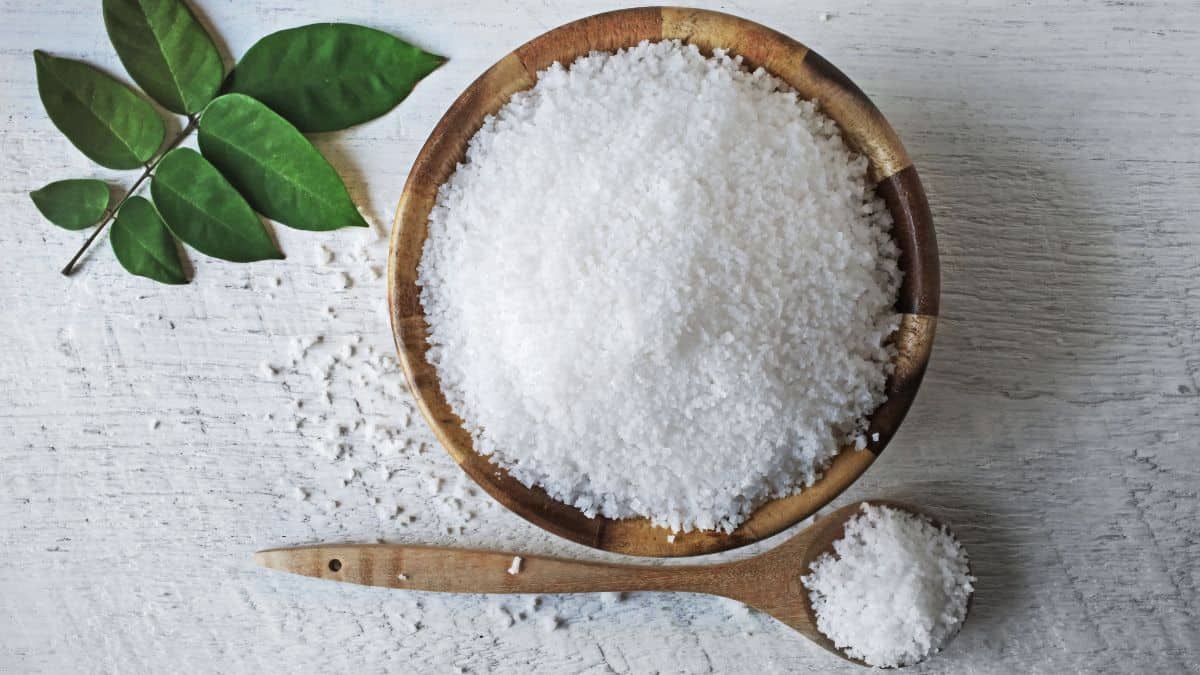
(769, 582)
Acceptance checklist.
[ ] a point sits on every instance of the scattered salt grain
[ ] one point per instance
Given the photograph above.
(267, 370)
(745, 304)
(896, 591)
(324, 255)
(300, 494)
(502, 616)
(154, 424)
(515, 567)
(670, 539)
(402, 577)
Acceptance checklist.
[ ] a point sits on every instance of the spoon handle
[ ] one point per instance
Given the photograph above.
(456, 570)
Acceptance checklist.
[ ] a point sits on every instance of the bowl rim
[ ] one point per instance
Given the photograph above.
(864, 129)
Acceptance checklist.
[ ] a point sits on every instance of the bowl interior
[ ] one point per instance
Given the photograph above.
(863, 127)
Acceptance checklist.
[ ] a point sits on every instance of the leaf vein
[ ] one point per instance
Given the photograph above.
(67, 88)
(300, 187)
(196, 206)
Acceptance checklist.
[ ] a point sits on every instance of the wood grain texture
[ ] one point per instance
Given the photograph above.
(865, 130)
(1055, 430)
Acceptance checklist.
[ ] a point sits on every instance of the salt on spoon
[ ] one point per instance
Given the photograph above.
(893, 590)
(770, 582)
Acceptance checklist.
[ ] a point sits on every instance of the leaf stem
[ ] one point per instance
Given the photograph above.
(183, 134)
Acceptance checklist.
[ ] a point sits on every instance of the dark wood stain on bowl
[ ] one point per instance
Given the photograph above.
(864, 129)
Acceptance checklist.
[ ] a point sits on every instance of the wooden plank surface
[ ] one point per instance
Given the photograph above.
(1057, 428)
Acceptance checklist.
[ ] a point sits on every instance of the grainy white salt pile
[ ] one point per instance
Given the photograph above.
(660, 286)
(896, 590)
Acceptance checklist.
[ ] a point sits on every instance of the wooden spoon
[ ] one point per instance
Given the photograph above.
(769, 581)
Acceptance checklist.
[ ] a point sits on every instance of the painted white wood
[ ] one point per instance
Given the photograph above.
(1058, 427)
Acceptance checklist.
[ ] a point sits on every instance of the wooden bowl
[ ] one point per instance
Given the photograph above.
(863, 127)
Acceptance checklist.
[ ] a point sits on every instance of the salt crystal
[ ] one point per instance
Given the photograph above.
(515, 567)
(502, 616)
(402, 576)
(328, 450)
(896, 590)
(267, 370)
(324, 255)
(300, 494)
(154, 424)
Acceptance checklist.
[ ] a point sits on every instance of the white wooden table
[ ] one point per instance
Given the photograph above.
(146, 453)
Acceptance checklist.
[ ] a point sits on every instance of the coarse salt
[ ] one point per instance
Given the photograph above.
(515, 567)
(324, 255)
(896, 590)
(661, 285)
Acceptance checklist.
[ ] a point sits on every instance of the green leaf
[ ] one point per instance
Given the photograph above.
(203, 210)
(331, 76)
(166, 50)
(72, 204)
(143, 245)
(109, 123)
(274, 166)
